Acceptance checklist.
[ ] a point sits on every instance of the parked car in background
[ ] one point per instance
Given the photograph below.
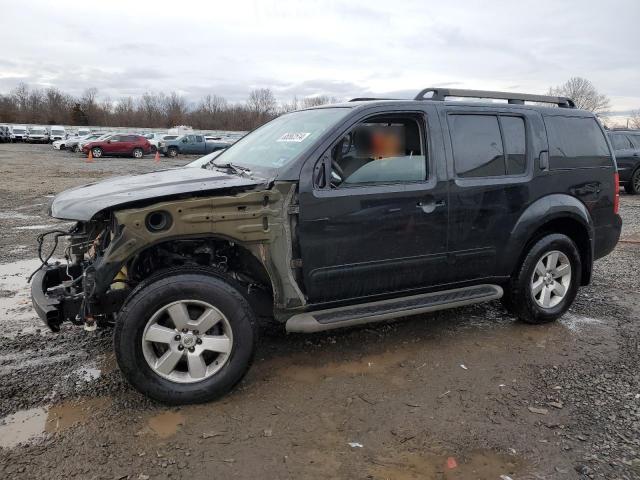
(189, 144)
(119, 145)
(83, 131)
(94, 137)
(18, 133)
(155, 139)
(5, 134)
(37, 134)
(218, 141)
(57, 132)
(73, 143)
(626, 145)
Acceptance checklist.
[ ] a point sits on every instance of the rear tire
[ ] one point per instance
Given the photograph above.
(137, 153)
(547, 281)
(74, 149)
(632, 187)
(148, 311)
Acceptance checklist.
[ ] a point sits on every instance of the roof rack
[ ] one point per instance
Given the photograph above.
(369, 99)
(441, 94)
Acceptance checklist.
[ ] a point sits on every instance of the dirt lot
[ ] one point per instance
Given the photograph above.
(469, 388)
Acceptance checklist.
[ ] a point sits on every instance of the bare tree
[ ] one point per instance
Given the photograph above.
(309, 102)
(634, 121)
(261, 101)
(584, 94)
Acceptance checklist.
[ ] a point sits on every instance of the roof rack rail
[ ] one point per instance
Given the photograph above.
(367, 99)
(514, 98)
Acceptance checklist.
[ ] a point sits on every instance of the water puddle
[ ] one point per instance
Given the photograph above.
(478, 465)
(165, 424)
(22, 426)
(370, 364)
(30, 425)
(16, 311)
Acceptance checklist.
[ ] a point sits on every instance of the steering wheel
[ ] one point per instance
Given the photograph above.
(337, 170)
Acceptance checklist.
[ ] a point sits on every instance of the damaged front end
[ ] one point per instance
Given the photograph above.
(67, 291)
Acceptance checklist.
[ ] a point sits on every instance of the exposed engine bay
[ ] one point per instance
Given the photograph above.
(80, 291)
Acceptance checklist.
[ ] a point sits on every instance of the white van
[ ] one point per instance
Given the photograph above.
(18, 133)
(57, 132)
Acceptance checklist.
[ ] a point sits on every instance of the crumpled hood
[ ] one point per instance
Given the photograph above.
(82, 203)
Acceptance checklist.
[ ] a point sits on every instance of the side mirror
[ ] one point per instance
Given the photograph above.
(108, 141)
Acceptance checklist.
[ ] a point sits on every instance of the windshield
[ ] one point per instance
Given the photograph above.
(170, 137)
(18, 130)
(281, 140)
(57, 132)
(37, 131)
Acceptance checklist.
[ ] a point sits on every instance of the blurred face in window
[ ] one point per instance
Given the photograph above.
(386, 142)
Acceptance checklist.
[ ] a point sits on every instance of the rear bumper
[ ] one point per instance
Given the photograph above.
(606, 238)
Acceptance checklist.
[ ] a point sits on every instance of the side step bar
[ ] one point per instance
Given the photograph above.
(329, 319)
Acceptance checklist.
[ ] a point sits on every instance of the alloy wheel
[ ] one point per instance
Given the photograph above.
(551, 279)
(187, 341)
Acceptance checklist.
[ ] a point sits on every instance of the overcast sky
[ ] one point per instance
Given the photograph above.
(338, 48)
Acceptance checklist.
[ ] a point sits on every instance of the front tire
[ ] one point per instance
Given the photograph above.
(185, 337)
(546, 284)
(633, 186)
(96, 152)
(172, 152)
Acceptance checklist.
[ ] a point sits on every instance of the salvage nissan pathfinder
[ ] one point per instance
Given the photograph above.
(331, 217)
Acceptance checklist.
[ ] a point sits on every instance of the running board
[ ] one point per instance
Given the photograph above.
(329, 319)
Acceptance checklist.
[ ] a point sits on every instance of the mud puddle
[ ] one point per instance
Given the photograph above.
(367, 365)
(478, 465)
(27, 426)
(165, 424)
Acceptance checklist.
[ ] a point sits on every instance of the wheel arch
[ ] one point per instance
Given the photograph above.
(558, 213)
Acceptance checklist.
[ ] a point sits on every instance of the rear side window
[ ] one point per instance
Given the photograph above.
(488, 145)
(477, 145)
(514, 144)
(576, 142)
(635, 140)
(620, 141)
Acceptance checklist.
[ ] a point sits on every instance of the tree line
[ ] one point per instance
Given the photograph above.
(52, 106)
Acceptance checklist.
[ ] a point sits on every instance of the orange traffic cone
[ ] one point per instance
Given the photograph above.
(90, 157)
(157, 157)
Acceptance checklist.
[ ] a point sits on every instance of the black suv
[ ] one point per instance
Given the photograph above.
(626, 145)
(331, 217)
(5, 135)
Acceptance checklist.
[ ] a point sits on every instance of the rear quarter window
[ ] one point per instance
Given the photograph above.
(576, 142)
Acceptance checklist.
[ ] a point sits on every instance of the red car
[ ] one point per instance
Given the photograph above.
(135, 146)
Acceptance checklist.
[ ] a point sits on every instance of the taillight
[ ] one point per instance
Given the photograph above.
(616, 190)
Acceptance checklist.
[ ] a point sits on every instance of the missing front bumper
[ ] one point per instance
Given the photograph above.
(53, 309)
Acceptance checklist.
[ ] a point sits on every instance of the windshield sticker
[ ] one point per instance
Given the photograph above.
(293, 137)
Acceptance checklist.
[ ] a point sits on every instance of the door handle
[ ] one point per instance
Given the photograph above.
(431, 205)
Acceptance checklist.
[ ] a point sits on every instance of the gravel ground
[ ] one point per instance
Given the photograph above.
(407, 400)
